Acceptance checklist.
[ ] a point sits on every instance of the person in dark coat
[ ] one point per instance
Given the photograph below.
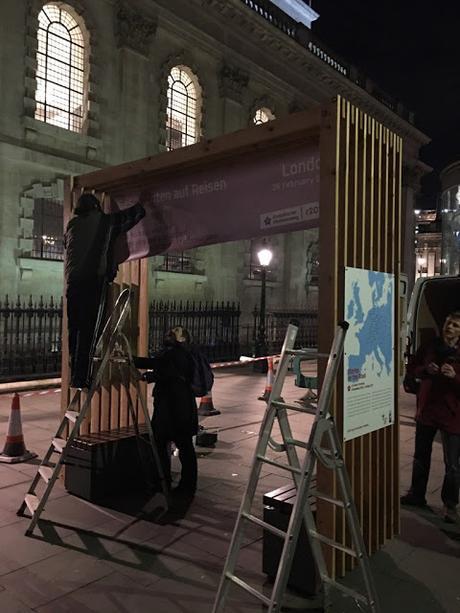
(437, 367)
(175, 417)
(89, 267)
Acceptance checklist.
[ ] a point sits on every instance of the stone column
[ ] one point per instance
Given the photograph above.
(134, 33)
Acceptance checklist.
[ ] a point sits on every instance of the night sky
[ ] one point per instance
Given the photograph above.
(411, 49)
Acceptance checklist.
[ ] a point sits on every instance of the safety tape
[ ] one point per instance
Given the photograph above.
(33, 393)
(241, 362)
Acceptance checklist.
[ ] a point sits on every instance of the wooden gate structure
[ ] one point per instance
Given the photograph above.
(360, 226)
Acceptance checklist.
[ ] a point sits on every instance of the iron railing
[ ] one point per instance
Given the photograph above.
(47, 248)
(30, 338)
(214, 326)
(276, 323)
(179, 262)
(30, 332)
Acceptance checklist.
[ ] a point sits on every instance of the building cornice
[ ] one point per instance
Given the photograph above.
(261, 32)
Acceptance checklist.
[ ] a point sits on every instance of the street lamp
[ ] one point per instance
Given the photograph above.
(421, 263)
(265, 257)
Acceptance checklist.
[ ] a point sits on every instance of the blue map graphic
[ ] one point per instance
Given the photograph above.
(373, 328)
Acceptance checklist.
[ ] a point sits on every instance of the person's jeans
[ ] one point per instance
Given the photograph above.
(424, 436)
(451, 485)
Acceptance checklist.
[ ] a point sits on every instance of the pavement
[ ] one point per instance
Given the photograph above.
(83, 558)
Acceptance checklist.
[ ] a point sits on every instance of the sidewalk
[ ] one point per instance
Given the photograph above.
(92, 559)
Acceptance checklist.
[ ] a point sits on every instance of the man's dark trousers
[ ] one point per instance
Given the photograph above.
(424, 436)
(187, 457)
(85, 304)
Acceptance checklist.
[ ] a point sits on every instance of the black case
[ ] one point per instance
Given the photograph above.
(278, 505)
(107, 464)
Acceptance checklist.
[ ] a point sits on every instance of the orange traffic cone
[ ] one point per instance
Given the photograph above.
(269, 382)
(206, 408)
(15, 449)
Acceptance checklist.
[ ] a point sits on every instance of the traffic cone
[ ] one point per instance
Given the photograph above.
(206, 408)
(15, 449)
(269, 382)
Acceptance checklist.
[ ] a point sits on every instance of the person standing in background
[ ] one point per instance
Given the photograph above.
(175, 418)
(437, 367)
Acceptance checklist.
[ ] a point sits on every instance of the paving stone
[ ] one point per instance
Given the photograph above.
(10, 477)
(54, 577)
(176, 567)
(10, 604)
(18, 551)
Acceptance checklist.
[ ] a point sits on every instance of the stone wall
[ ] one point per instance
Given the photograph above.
(241, 61)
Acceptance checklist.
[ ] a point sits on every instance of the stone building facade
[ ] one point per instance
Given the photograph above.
(236, 62)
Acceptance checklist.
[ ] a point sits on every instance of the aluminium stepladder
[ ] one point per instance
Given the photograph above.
(330, 456)
(112, 348)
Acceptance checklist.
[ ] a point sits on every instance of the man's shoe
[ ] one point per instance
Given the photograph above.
(184, 491)
(411, 500)
(451, 516)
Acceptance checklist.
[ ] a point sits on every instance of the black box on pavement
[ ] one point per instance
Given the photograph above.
(102, 465)
(278, 505)
(206, 438)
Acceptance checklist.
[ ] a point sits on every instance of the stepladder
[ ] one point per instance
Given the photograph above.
(302, 454)
(112, 353)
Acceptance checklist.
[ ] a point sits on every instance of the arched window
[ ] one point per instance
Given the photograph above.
(263, 115)
(61, 78)
(183, 112)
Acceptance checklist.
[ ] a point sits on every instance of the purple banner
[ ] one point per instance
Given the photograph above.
(246, 198)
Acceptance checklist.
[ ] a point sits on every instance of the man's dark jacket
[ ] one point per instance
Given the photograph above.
(175, 412)
(438, 397)
(89, 241)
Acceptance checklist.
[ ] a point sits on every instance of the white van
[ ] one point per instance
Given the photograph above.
(432, 299)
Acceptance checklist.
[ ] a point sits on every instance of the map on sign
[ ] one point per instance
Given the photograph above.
(368, 351)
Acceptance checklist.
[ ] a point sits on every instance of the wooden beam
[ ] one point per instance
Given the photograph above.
(268, 136)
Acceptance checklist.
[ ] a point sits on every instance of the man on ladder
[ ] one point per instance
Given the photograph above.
(89, 267)
(113, 348)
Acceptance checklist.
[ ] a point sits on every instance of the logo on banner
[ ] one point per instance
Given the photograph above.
(292, 215)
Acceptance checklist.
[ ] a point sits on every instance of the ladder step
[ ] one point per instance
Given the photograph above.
(46, 472)
(32, 502)
(264, 525)
(248, 588)
(297, 443)
(291, 469)
(347, 590)
(292, 407)
(59, 444)
(72, 416)
(326, 498)
(311, 353)
(334, 544)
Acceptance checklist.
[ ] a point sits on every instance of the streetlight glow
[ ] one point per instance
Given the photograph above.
(421, 261)
(265, 257)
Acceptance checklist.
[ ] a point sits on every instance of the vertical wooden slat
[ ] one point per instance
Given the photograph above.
(143, 339)
(124, 279)
(331, 177)
(400, 214)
